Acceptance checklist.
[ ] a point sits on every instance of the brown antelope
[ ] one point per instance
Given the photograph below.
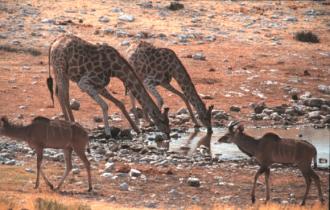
(271, 149)
(57, 134)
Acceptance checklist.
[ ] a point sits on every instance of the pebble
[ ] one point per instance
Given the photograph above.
(193, 181)
(135, 173)
(199, 56)
(74, 104)
(126, 17)
(109, 166)
(104, 19)
(324, 89)
(123, 186)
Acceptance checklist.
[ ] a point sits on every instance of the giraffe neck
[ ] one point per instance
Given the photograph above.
(189, 90)
(131, 81)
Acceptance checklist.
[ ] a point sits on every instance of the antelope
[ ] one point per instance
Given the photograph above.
(57, 134)
(271, 149)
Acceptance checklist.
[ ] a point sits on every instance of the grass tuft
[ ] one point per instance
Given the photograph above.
(42, 204)
(307, 36)
(28, 50)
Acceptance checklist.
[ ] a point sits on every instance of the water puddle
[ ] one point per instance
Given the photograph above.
(187, 143)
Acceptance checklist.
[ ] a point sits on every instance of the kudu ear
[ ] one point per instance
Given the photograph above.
(240, 128)
(210, 110)
(231, 125)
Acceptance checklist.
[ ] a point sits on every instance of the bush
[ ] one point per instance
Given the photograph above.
(307, 36)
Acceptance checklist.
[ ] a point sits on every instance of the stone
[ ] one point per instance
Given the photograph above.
(221, 116)
(313, 102)
(235, 109)
(182, 110)
(29, 170)
(314, 115)
(104, 19)
(97, 119)
(49, 21)
(124, 186)
(258, 108)
(175, 6)
(125, 43)
(116, 10)
(126, 17)
(198, 56)
(74, 104)
(324, 89)
(107, 175)
(109, 166)
(75, 171)
(135, 173)
(193, 181)
(291, 19)
(10, 162)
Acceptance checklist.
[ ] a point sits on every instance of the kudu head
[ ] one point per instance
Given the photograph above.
(232, 132)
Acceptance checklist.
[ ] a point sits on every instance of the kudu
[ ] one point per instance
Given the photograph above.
(271, 149)
(57, 134)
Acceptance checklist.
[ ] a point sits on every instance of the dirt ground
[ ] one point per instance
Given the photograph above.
(248, 53)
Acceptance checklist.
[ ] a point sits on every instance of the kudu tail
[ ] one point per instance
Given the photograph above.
(315, 161)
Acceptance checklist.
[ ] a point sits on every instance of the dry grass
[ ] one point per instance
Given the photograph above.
(307, 36)
(31, 51)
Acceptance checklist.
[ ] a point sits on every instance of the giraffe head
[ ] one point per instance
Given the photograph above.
(206, 119)
(163, 122)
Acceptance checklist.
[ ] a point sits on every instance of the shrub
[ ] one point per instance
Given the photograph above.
(307, 36)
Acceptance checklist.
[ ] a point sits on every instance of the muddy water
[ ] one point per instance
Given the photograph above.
(187, 143)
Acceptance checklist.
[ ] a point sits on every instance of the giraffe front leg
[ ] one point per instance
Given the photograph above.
(85, 86)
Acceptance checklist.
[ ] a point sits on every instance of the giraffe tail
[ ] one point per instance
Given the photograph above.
(50, 82)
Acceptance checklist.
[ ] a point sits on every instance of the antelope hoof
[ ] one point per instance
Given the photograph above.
(322, 200)
(90, 189)
(302, 203)
(253, 199)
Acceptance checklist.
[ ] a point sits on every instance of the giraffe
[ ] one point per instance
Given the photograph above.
(91, 66)
(157, 66)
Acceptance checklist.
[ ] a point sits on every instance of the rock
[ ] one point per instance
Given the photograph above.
(258, 108)
(10, 162)
(125, 43)
(75, 171)
(135, 173)
(221, 116)
(193, 181)
(107, 175)
(291, 19)
(123, 186)
(324, 89)
(210, 38)
(26, 68)
(29, 170)
(74, 104)
(109, 166)
(116, 10)
(235, 109)
(182, 110)
(104, 19)
(275, 116)
(313, 102)
(314, 115)
(175, 6)
(98, 119)
(206, 97)
(126, 17)
(198, 56)
(326, 119)
(49, 21)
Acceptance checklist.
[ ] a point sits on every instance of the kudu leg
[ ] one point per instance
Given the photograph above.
(51, 186)
(183, 97)
(318, 184)
(105, 93)
(267, 174)
(81, 154)
(260, 171)
(68, 166)
(308, 180)
(39, 152)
